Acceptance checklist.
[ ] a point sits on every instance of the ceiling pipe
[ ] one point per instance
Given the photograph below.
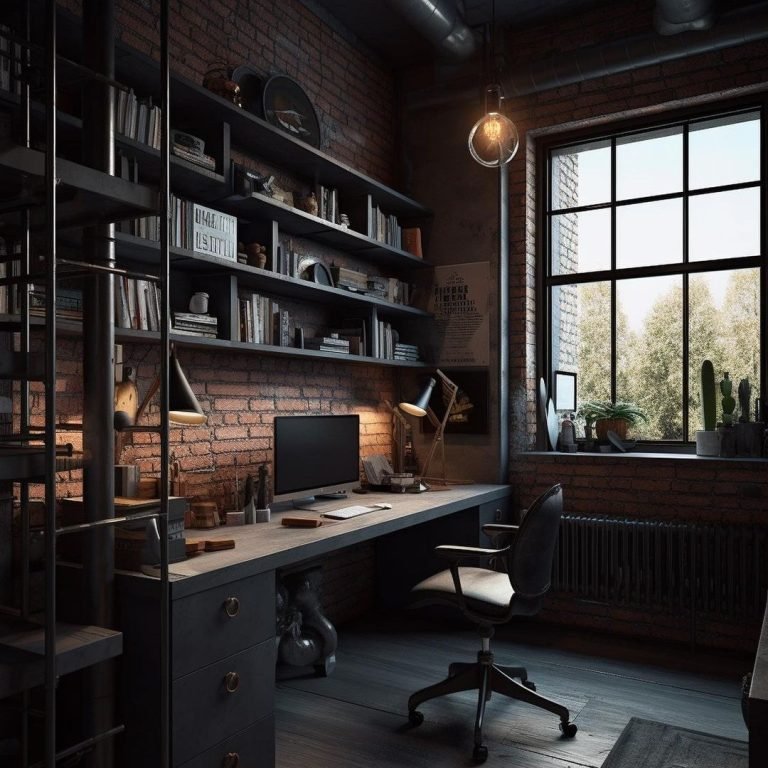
(737, 27)
(440, 22)
(673, 16)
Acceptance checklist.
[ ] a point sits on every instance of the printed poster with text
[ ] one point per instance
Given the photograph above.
(459, 301)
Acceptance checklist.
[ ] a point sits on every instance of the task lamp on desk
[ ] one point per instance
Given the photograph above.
(420, 408)
(183, 406)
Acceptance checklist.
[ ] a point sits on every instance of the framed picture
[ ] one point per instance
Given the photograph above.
(469, 415)
(565, 391)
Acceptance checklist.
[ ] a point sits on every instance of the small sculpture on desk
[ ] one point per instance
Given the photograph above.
(568, 434)
(249, 506)
(261, 512)
(745, 391)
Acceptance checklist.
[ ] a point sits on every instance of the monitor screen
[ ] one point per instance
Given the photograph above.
(316, 455)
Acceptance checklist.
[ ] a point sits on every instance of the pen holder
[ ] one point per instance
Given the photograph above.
(262, 515)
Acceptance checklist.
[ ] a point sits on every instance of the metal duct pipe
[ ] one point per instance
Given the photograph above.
(738, 27)
(673, 16)
(439, 21)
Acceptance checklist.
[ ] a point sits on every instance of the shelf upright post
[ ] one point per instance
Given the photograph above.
(165, 191)
(50, 396)
(98, 370)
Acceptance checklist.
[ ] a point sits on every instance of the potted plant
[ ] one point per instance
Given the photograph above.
(614, 417)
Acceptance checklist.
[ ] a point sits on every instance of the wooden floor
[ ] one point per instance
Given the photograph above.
(357, 717)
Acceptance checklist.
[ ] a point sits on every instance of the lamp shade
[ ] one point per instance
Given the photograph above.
(419, 406)
(183, 407)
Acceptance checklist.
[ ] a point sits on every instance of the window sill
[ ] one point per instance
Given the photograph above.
(643, 455)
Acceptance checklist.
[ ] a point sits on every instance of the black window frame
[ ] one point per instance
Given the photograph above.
(612, 132)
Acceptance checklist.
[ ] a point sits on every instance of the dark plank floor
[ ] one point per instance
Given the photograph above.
(356, 718)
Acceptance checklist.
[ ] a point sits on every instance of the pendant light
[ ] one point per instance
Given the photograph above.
(493, 140)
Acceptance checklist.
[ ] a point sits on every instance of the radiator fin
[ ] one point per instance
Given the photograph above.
(712, 570)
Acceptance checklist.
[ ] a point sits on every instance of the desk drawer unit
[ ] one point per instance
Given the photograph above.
(218, 622)
(217, 701)
(252, 748)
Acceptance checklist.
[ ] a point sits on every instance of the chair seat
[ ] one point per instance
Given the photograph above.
(486, 592)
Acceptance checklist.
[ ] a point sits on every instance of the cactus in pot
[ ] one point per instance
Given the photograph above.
(728, 402)
(707, 441)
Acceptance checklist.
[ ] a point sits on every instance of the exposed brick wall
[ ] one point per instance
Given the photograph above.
(711, 490)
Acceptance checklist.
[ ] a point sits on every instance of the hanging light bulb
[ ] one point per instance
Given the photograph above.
(493, 140)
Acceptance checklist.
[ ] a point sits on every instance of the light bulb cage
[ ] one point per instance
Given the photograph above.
(493, 140)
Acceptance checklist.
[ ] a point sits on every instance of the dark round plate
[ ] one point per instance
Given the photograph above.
(287, 107)
(321, 274)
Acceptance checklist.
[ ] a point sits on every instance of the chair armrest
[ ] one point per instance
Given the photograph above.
(493, 528)
(456, 554)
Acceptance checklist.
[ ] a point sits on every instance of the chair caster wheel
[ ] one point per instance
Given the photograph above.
(568, 729)
(480, 753)
(415, 717)
(530, 685)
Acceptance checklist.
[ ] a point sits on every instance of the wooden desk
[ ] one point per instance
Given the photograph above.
(223, 620)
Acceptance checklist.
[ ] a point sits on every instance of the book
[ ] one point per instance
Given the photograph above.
(412, 241)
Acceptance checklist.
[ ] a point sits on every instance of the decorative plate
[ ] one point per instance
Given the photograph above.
(287, 107)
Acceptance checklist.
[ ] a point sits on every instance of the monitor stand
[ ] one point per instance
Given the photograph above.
(310, 503)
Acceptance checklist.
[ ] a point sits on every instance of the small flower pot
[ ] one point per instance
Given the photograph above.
(603, 426)
(707, 442)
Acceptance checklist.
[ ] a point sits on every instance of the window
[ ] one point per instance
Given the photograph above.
(654, 263)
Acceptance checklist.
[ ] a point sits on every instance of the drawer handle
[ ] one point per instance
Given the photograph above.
(231, 760)
(232, 681)
(232, 607)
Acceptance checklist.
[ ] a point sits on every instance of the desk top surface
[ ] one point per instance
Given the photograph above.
(266, 546)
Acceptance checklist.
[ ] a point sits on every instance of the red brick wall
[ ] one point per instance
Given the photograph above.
(465, 195)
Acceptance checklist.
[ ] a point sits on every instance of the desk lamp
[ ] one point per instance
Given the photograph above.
(183, 407)
(420, 408)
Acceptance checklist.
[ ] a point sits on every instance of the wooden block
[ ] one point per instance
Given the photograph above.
(214, 545)
(302, 522)
(194, 546)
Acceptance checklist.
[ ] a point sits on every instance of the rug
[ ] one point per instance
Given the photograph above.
(647, 744)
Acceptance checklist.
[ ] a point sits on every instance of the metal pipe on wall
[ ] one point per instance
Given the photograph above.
(502, 373)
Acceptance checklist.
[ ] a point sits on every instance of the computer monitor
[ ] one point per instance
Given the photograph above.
(316, 456)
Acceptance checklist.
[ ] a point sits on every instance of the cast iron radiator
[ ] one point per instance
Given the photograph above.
(705, 570)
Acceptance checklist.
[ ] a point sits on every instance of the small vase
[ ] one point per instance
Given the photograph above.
(603, 426)
(199, 303)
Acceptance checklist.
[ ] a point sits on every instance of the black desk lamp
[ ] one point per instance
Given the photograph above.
(420, 408)
(183, 406)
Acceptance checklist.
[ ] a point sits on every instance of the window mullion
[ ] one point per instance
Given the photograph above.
(614, 349)
(686, 313)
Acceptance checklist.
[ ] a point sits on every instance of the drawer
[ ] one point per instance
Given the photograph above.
(205, 712)
(252, 748)
(216, 623)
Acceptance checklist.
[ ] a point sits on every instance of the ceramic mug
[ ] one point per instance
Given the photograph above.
(199, 303)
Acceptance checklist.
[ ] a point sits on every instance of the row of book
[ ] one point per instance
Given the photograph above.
(137, 304)
(193, 227)
(386, 344)
(10, 62)
(138, 119)
(328, 203)
(261, 321)
(385, 227)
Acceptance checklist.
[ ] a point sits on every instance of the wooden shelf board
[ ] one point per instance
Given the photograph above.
(84, 193)
(22, 651)
(146, 251)
(295, 222)
(250, 132)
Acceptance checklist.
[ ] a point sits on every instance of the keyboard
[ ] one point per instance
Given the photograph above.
(346, 512)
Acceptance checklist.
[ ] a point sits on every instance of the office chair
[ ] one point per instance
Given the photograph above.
(491, 597)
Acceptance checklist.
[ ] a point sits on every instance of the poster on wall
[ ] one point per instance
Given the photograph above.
(459, 301)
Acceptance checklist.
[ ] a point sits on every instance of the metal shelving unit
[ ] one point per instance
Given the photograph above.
(40, 194)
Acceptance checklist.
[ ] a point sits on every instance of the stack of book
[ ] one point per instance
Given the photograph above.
(69, 302)
(350, 279)
(331, 343)
(192, 149)
(194, 324)
(407, 352)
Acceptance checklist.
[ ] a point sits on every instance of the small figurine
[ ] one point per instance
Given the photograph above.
(262, 513)
(567, 434)
(728, 403)
(745, 390)
(310, 204)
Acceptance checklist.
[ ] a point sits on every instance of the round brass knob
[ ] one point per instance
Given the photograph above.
(232, 681)
(232, 607)
(231, 760)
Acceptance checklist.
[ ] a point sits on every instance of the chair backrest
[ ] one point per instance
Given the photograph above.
(530, 561)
